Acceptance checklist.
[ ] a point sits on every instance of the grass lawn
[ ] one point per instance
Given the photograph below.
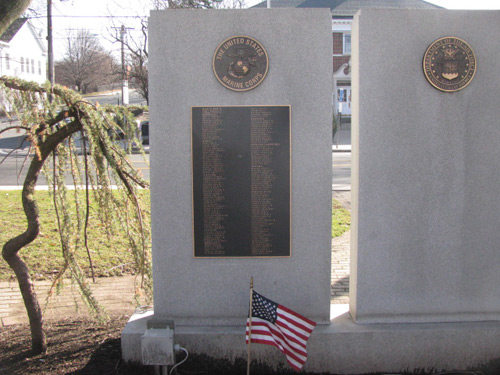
(110, 257)
(44, 255)
(341, 219)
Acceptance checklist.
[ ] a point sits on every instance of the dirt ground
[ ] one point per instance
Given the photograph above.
(74, 347)
(85, 347)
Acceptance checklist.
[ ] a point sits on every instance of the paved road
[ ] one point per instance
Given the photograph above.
(12, 171)
(13, 151)
(341, 168)
(116, 97)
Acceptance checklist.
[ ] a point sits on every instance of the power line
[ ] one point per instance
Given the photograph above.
(73, 16)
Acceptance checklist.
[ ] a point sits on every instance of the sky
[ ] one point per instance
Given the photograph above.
(104, 17)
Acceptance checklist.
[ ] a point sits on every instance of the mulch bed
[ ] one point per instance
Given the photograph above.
(86, 347)
(74, 347)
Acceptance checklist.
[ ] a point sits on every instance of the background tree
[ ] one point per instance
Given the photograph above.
(198, 4)
(137, 63)
(137, 47)
(86, 65)
(174, 4)
(50, 127)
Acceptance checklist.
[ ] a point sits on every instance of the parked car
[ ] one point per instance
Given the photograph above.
(144, 129)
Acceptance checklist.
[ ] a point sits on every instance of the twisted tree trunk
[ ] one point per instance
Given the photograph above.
(11, 248)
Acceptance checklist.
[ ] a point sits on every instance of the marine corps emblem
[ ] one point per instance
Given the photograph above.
(240, 63)
(449, 64)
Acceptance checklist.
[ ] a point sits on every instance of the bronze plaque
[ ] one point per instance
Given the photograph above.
(240, 63)
(241, 181)
(449, 64)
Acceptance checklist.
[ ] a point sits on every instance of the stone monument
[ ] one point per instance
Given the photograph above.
(206, 121)
(425, 201)
(241, 112)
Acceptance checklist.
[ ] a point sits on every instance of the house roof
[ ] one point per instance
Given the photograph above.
(349, 7)
(12, 30)
(301, 4)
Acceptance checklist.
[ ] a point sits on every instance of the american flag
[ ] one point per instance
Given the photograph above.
(274, 324)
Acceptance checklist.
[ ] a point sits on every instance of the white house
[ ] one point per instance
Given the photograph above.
(23, 53)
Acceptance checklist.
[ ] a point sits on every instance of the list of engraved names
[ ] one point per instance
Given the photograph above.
(213, 189)
(241, 181)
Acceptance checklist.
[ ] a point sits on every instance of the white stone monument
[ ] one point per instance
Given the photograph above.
(207, 296)
(425, 203)
(214, 291)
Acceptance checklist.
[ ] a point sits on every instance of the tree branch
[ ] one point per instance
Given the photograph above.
(11, 10)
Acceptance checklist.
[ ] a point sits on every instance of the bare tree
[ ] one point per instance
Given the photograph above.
(137, 47)
(198, 4)
(86, 64)
(137, 63)
(139, 60)
(229, 4)
(173, 4)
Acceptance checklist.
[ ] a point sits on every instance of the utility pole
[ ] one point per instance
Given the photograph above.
(50, 48)
(124, 69)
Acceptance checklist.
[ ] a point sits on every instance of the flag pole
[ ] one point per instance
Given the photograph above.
(250, 326)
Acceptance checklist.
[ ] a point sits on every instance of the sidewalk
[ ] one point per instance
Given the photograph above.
(341, 257)
(342, 139)
(115, 294)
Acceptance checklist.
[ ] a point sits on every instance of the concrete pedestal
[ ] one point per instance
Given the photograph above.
(344, 347)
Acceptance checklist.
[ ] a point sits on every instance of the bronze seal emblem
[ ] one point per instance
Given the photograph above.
(240, 63)
(449, 64)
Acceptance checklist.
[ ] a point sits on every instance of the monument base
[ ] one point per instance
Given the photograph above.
(343, 346)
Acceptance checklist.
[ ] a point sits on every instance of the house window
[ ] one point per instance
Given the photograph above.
(347, 44)
(22, 64)
(341, 43)
(7, 61)
(27, 65)
(39, 68)
(32, 66)
(342, 95)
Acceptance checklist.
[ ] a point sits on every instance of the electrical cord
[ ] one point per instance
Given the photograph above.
(181, 362)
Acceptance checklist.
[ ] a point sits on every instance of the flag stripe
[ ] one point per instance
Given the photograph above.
(293, 329)
(304, 320)
(291, 355)
(279, 340)
(296, 320)
(277, 331)
(266, 328)
(298, 329)
(287, 332)
(299, 344)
